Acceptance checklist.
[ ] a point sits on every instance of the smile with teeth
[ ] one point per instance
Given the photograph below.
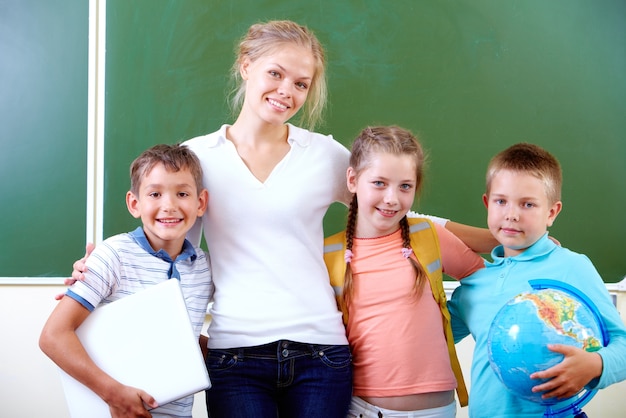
(169, 221)
(277, 104)
(387, 212)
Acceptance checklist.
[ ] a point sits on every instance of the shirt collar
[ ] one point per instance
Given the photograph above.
(188, 252)
(544, 245)
(296, 135)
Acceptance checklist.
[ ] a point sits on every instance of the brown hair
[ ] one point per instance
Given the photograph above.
(531, 159)
(173, 157)
(265, 38)
(376, 140)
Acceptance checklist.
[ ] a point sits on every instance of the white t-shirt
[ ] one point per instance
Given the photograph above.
(265, 240)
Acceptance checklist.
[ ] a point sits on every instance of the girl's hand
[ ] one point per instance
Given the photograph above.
(79, 268)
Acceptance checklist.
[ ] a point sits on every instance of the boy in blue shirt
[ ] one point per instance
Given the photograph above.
(523, 198)
(168, 195)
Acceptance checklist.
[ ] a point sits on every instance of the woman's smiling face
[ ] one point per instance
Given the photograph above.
(278, 84)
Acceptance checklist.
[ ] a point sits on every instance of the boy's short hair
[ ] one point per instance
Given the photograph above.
(533, 160)
(174, 157)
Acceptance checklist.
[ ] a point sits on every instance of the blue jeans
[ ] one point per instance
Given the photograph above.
(282, 379)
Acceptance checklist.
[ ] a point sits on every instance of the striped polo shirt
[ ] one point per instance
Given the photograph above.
(126, 263)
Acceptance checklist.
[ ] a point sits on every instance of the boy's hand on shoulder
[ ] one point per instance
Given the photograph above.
(571, 375)
(556, 241)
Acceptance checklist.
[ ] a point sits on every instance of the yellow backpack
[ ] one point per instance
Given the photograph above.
(425, 245)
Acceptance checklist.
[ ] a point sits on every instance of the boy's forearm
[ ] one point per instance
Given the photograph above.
(478, 239)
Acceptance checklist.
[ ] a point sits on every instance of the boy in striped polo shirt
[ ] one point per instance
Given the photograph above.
(168, 195)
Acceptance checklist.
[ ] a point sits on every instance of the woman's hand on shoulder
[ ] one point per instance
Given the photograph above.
(80, 268)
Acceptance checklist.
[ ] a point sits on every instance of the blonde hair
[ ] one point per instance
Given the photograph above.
(370, 142)
(531, 159)
(265, 38)
(173, 157)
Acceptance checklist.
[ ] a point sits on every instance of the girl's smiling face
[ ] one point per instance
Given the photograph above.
(385, 191)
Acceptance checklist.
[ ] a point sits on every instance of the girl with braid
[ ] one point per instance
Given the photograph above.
(386, 270)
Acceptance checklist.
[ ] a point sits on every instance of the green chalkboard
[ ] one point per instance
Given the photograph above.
(469, 76)
(43, 135)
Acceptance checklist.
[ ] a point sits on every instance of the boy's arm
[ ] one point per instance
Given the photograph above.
(580, 368)
(457, 259)
(459, 328)
(570, 376)
(599, 369)
(58, 340)
(478, 239)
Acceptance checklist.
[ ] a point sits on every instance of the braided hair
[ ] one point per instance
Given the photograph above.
(371, 141)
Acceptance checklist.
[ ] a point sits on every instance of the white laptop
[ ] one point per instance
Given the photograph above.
(144, 340)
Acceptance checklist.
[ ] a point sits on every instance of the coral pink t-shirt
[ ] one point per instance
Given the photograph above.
(397, 339)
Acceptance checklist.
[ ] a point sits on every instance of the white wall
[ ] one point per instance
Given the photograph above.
(30, 385)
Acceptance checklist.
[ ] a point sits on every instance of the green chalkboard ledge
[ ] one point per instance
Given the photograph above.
(615, 289)
(31, 281)
(448, 286)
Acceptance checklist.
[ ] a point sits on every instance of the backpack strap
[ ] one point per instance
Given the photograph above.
(334, 250)
(425, 244)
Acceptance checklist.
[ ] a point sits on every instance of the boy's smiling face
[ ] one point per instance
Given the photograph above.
(518, 210)
(168, 204)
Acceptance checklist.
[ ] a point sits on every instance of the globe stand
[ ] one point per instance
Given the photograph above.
(577, 414)
(571, 409)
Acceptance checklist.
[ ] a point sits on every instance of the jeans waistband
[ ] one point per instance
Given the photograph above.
(278, 350)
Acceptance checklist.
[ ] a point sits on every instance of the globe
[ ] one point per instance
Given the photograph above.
(552, 313)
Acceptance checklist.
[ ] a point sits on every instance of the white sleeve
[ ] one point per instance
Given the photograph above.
(194, 235)
(434, 219)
